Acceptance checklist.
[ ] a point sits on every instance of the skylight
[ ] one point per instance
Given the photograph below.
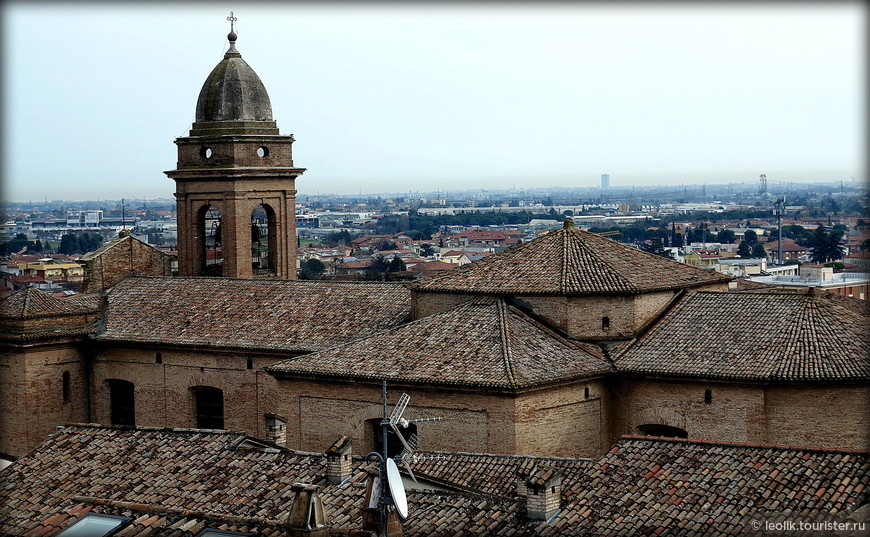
(93, 525)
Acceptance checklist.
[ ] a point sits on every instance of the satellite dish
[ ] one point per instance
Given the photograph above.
(397, 489)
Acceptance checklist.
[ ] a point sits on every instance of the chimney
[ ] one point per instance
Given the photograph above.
(339, 460)
(371, 510)
(307, 516)
(276, 429)
(543, 492)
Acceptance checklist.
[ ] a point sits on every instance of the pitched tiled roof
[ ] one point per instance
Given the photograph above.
(490, 343)
(753, 336)
(571, 261)
(298, 316)
(31, 302)
(176, 482)
(651, 486)
(491, 474)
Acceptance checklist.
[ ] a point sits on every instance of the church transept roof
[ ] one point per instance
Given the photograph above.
(753, 336)
(283, 315)
(482, 342)
(571, 261)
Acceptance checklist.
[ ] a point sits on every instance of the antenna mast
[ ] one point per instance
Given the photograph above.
(778, 208)
(762, 183)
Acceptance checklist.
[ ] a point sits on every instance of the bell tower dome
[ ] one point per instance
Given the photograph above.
(235, 180)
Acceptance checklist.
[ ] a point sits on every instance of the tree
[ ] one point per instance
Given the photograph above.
(69, 244)
(750, 237)
(726, 236)
(743, 249)
(654, 246)
(312, 269)
(386, 245)
(825, 246)
(758, 250)
(376, 270)
(396, 265)
(426, 250)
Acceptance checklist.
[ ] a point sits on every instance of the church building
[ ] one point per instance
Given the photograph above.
(555, 347)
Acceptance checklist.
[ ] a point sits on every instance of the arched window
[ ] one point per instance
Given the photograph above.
(605, 323)
(655, 429)
(122, 402)
(263, 241)
(708, 396)
(65, 386)
(586, 392)
(209, 233)
(209, 407)
(394, 445)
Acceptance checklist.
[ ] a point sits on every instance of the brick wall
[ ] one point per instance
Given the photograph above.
(830, 416)
(163, 390)
(825, 416)
(122, 257)
(562, 421)
(320, 412)
(31, 394)
(735, 412)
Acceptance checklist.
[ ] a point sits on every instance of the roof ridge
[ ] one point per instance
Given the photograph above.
(613, 272)
(507, 357)
(726, 443)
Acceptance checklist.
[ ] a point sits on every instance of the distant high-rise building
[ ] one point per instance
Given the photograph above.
(605, 180)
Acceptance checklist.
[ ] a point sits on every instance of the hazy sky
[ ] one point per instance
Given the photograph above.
(405, 97)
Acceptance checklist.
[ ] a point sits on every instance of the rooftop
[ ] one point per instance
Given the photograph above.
(178, 481)
(284, 315)
(570, 261)
(753, 336)
(500, 347)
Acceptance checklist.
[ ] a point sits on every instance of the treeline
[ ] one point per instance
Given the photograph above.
(79, 244)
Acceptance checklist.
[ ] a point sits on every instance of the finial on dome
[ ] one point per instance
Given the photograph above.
(568, 223)
(232, 35)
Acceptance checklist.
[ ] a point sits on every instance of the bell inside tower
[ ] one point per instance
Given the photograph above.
(263, 241)
(210, 241)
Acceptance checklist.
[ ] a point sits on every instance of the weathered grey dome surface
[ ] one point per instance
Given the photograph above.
(233, 92)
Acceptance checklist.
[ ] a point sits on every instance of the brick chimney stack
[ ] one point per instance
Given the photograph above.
(542, 489)
(276, 429)
(339, 458)
(307, 516)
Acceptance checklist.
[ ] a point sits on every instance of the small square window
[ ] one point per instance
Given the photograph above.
(93, 525)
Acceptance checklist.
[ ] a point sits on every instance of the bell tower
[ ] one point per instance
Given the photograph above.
(235, 183)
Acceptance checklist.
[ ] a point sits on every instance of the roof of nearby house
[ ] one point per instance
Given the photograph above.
(753, 336)
(427, 266)
(570, 261)
(500, 347)
(31, 302)
(179, 481)
(285, 315)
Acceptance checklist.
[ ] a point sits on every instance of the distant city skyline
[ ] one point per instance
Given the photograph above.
(421, 97)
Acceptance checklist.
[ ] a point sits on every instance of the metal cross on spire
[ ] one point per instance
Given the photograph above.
(232, 21)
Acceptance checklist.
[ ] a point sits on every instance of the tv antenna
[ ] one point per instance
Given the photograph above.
(388, 487)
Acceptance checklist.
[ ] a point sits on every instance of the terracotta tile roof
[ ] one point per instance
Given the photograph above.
(499, 347)
(428, 266)
(753, 336)
(176, 482)
(650, 486)
(492, 474)
(297, 316)
(571, 261)
(31, 302)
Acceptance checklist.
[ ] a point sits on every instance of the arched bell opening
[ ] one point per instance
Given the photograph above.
(209, 241)
(264, 241)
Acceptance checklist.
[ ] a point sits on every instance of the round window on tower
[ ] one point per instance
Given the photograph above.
(262, 151)
(206, 152)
